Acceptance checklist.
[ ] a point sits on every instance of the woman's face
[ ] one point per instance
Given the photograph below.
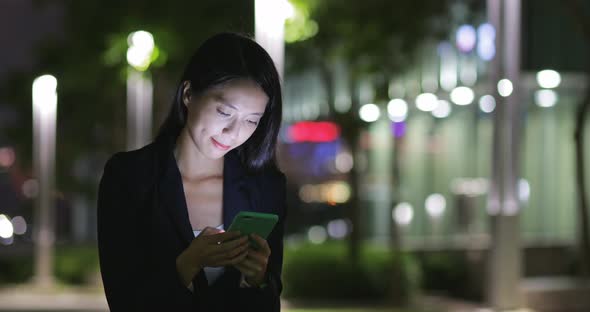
(225, 116)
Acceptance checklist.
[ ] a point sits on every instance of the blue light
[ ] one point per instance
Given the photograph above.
(486, 47)
(466, 38)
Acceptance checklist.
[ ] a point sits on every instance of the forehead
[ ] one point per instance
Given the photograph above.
(241, 93)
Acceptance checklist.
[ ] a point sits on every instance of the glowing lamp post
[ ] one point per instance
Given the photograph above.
(269, 20)
(139, 89)
(44, 117)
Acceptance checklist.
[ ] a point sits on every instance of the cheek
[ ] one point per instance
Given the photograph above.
(246, 133)
(206, 125)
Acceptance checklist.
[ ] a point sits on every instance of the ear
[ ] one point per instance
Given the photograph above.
(186, 93)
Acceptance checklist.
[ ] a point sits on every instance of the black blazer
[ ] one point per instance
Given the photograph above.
(143, 225)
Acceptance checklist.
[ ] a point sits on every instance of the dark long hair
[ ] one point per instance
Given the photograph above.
(221, 58)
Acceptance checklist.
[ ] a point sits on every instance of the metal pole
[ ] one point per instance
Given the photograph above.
(503, 292)
(44, 120)
(139, 109)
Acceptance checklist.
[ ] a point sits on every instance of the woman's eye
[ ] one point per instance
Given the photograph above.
(222, 113)
(254, 123)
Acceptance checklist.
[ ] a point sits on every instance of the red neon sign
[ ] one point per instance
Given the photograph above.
(313, 131)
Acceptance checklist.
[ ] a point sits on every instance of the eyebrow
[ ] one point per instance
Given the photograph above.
(223, 101)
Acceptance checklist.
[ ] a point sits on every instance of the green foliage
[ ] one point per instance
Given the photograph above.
(75, 265)
(325, 272)
(371, 36)
(72, 265)
(448, 273)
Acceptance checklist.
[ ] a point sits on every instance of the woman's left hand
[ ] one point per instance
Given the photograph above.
(254, 265)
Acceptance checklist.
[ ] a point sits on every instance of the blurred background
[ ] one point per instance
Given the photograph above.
(435, 149)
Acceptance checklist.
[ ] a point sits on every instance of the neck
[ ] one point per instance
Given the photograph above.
(191, 161)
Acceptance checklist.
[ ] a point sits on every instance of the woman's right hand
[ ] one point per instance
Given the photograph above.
(213, 248)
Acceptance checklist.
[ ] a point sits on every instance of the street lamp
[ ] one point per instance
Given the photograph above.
(139, 89)
(269, 20)
(44, 117)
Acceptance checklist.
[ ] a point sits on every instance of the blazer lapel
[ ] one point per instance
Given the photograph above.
(171, 197)
(240, 192)
(238, 189)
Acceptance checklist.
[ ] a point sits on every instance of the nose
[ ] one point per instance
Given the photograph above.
(232, 130)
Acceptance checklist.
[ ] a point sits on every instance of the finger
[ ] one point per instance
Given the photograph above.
(221, 237)
(251, 265)
(233, 261)
(262, 243)
(225, 247)
(245, 270)
(238, 250)
(257, 257)
(210, 231)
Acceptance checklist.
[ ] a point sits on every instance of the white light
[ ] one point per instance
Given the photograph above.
(524, 190)
(141, 47)
(397, 110)
(403, 213)
(30, 188)
(344, 162)
(435, 205)
(275, 9)
(369, 112)
(548, 79)
(426, 102)
(338, 228)
(19, 224)
(317, 234)
(443, 109)
(505, 87)
(466, 38)
(462, 96)
(487, 103)
(142, 40)
(486, 48)
(545, 98)
(6, 229)
(45, 95)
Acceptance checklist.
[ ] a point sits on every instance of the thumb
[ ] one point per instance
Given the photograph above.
(210, 231)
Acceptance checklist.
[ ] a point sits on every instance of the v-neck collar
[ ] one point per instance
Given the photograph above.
(239, 191)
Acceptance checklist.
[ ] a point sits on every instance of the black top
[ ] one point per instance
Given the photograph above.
(143, 226)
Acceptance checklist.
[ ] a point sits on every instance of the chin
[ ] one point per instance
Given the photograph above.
(215, 154)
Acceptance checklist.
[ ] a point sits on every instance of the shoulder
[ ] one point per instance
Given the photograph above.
(135, 163)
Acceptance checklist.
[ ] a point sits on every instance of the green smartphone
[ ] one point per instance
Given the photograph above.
(248, 222)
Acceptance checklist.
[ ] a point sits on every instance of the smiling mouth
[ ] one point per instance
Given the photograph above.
(219, 145)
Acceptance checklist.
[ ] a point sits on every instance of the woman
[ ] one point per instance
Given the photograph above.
(162, 209)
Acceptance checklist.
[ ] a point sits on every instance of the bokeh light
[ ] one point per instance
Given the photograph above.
(397, 110)
(435, 205)
(443, 109)
(369, 112)
(487, 103)
(6, 229)
(505, 87)
(317, 234)
(548, 79)
(545, 98)
(462, 96)
(403, 213)
(466, 38)
(426, 102)
(19, 225)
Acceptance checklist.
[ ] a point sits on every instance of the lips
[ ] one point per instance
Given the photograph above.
(219, 145)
